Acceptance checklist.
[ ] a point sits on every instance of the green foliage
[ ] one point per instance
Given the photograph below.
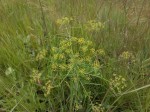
(74, 56)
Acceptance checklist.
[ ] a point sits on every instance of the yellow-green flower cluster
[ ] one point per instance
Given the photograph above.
(98, 108)
(96, 64)
(78, 107)
(36, 75)
(48, 87)
(117, 83)
(126, 55)
(81, 41)
(94, 25)
(63, 21)
(74, 52)
(41, 55)
(101, 52)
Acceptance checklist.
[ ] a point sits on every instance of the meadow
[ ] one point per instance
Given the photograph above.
(74, 56)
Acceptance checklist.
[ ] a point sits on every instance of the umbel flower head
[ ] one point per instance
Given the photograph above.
(117, 83)
(41, 55)
(35, 76)
(98, 108)
(94, 25)
(63, 21)
(48, 87)
(128, 56)
(74, 52)
(100, 52)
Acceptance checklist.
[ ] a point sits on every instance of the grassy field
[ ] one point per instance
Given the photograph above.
(74, 56)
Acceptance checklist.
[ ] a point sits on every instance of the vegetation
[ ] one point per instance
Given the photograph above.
(74, 56)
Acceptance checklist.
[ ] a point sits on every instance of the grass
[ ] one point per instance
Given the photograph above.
(74, 56)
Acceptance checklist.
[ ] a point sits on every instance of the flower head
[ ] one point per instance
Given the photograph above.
(93, 25)
(81, 40)
(100, 52)
(126, 55)
(97, 108)
(64, 21)
(41, 55)
(117, 83)
(48, 87)
(36, 75)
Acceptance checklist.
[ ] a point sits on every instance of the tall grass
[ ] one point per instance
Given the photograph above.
(74, 56)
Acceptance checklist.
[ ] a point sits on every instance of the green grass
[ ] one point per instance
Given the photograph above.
(51, 67)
